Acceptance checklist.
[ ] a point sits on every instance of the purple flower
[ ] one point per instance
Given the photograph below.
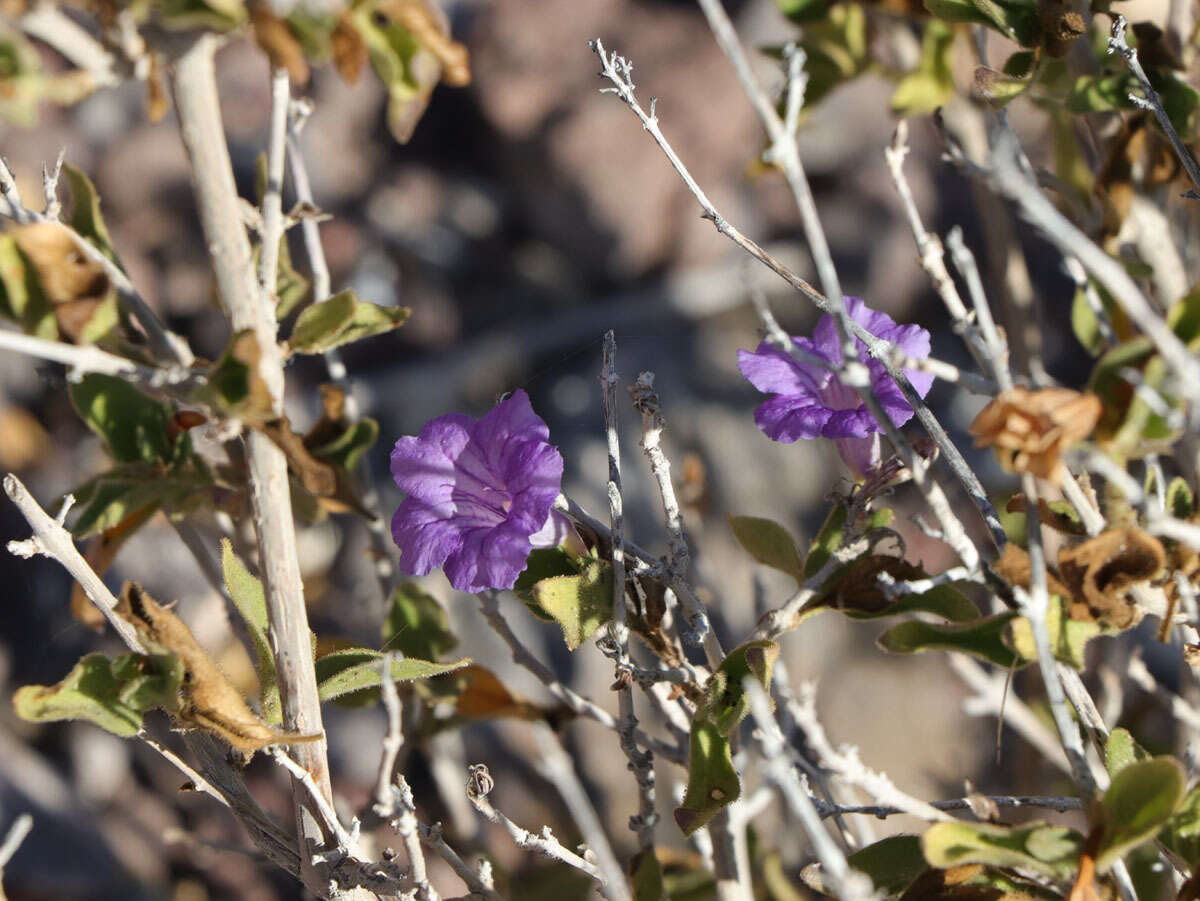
(480, 495)
(808, 401)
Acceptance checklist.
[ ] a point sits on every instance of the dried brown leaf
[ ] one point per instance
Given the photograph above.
(429, 26)
(207, 699)
(100, 554)
(74, 284)
(274, 36)
(1101, 571)
(349, 49)
(1030, 430)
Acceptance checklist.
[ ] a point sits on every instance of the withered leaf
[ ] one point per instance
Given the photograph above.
(1030, 430)
(207, 699)
(428, 25)
(349, 49)
(272, 34)
(1101, 571)
(101, 552)
(75, 285)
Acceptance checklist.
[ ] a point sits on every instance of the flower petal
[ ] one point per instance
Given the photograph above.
(488, 558)
(425, 537)
(853, 423)
(424, 466)
(788, 419)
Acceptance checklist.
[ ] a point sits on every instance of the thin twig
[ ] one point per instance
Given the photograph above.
(83, 358)
(847, 883)
(1119, 45)
(432, 837)
(1055, 803)
(407, 827)
(523, 657)
(641, 763)
(544, 843)
(16, 834)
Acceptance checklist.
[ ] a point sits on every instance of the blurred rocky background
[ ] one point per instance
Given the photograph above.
(528, 214)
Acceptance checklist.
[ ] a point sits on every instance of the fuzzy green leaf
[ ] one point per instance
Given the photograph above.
(85, 212)
(340, 320)
(580, 604)
(892, 863)
(769, 543)
(712, 781)
(1122, 750)
(416, 625)
(725, 702)
(984, 638)
(1180, 501)
(355, 669)
(133, 425)
(1039, 848)
(1141, 799)
(828, 540)
(113, 694)
(251, 602)
(645, 875)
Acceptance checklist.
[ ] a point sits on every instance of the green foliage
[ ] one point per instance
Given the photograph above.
(1122, 750)
(984, 638)
(1068, 637)
(110, 498)
(220, 15)
(646, 877)
(1139, 802)
(712, 781)
(769, 543)
(234, 385)
(1040, 848)
(1182, 832)
(132, 425)
(1017, 20)
(580, 603)
(892, 863)
(828, 540)
(854, 590)
(931, 85)
(85, 212)
(251, 602)
(354, 670)
(21, 295)
(1083, 320)
(836, 45)
(416, 625)
(348, 447)
(340, 320)
(725, 701)
(1181, 503)
(543, 563)
(113, 694)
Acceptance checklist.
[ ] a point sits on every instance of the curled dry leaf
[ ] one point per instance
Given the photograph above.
(348, 49)
(274, 36)
(1101, 571)
(1030, 430)
(428, 25)
(207, 699)
(74, 284)
(1095, 575)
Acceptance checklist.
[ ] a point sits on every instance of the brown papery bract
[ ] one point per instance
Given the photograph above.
(1030, 430)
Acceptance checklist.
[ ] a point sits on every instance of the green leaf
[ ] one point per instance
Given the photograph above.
(355, 669)
(291, 287)
(1020, 64)
(21, 295)
(1016, 20)
(416, 625)
(221, 15)
(725, 702)
(645, 875)
(1182, 832)
(803, 12)
(397, 58)
(836, 47)
(984, 638)
(109, 498)
(932, 84)
(85, 212)
(1122, 750)
(347, 448)
(892, 863)
(113, 694)
(828, 540)
(543, 563)
(340, 320)
(251, 602)
(1038, 847)
(1068, 637)
(712, 781)
(133, 426)
(769, 543)
(1141, 799)
(1180, 501)
(580, 604)
(1083, 320)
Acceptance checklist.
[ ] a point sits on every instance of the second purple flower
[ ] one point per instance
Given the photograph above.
(808, 401)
